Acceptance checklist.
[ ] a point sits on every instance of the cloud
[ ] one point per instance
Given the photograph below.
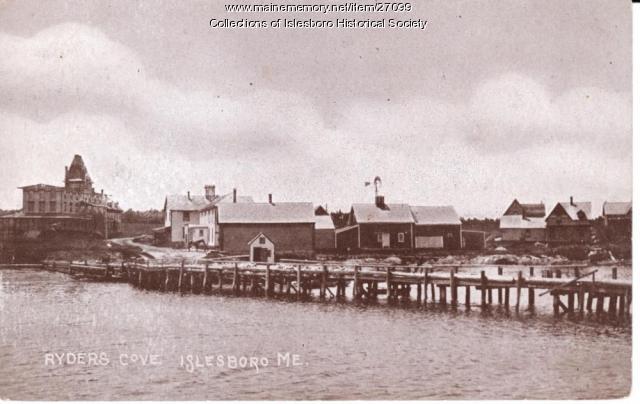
(72, 89)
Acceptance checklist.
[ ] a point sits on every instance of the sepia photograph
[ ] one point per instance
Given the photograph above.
(287, 200)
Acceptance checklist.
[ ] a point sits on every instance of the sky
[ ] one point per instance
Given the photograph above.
(494, 100)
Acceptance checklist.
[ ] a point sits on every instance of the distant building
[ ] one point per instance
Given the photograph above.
(76, 206)
(377, 226)
(617, 219)
(325, 233)
(436, 227)
(289, 226)
(192, 218)
(569, 222)
(523, 222)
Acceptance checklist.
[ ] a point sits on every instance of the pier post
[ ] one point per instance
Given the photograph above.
(614, 273)
(356, 283)
(581, 299)
(205, 278)
(576, 272)
(298, 281)
(454, 287)
(519, 290)
(621, 305)
(235, 286)
(590, 301)
(426, 284)
(556, 304)
(443, 294)
(506, 297)
(220, 279)
(180, 276)
(532, 292)
(323, 282)
(599, 304)
(467, 296)
(613, 299)
(267, 281)
(389, 293)
(140, 278)
(483, 289)
(490, 296)
(571, 302)
(433, 288)
(166, 279)
(499, 296)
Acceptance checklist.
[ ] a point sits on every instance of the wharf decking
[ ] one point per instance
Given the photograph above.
(573, 294)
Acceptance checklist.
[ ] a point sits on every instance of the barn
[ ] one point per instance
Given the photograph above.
(617, 220)
(569, 222)
(523, 222)
(436, 227)
(377, 226)
(325, 233)
(289, 226)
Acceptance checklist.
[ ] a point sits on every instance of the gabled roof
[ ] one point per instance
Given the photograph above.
(572, 210)
(281, 212)
(227, 198)
(370, 213)
(518, 222)
(425, 215)
(525, 209)
(324, 222)
(258, 236)
(184, 203)
(616, 208)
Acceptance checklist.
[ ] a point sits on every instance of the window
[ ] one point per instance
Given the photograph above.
(31, 206)
(41, 206)
(400, 237)
(379, 237)
(52, 206)
(185, 216)
(262, 240)
(201, 233)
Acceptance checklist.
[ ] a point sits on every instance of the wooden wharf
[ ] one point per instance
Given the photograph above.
(573, 295)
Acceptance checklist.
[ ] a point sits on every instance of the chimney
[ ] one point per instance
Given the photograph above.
(270, 199)
(380, 201)
(102, 192)
(66, 172)
(189, 195)
(235, 195)
(210, 192)
(571, 201)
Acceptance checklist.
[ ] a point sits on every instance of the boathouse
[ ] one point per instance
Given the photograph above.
(523, 222)
(377, 226)
(436, 227)
(288, 225)
(569, 222)
(617, 220)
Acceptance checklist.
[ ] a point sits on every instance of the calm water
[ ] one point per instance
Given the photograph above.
(343, 351)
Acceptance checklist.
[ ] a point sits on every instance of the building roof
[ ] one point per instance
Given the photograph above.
(281, 212)
(324, 222)
(425, 215)
(77, 169)
(38, 187)
(526, 209)
(370, 213)
(572, 209)
(616, 208)
(227, 198)
(185, 203)
(518, 222)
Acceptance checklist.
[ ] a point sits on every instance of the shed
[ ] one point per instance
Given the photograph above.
(437, 227)
(261, 249)
(325, 233)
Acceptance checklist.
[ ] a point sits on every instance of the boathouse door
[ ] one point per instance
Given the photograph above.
(261, 249)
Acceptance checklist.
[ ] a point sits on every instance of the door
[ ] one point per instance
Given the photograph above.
(386, 240)
(258, 254)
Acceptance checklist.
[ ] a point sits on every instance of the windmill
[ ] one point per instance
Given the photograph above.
(376, 183)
